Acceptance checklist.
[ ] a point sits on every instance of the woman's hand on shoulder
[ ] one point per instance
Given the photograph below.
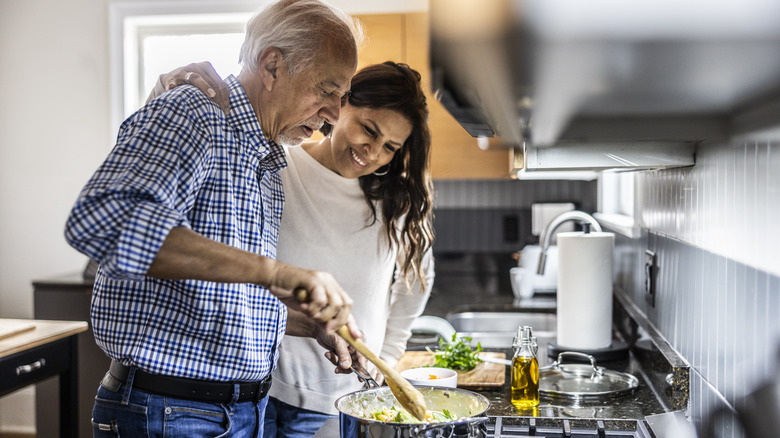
(201, 75)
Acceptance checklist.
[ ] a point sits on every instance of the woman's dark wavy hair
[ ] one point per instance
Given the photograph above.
(406, 189)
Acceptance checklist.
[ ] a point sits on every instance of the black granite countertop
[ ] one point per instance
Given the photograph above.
(635, 405)
(661, 374)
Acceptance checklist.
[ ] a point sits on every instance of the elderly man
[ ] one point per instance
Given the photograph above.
(183, 217)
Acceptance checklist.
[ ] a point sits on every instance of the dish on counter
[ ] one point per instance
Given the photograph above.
(431, 376)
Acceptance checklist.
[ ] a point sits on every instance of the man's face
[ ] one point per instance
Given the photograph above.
(309, 99)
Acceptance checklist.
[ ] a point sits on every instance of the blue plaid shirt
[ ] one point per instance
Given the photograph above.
(179, 161)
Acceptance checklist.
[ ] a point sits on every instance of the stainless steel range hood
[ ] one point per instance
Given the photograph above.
(554, 73)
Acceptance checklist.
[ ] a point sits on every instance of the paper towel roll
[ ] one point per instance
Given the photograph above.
(585, 290)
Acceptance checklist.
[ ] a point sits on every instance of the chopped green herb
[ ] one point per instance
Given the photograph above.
(456, 355)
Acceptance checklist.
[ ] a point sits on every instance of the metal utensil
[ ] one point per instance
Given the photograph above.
(364, 375)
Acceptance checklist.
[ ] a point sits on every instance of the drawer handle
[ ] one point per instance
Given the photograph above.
(26, 369)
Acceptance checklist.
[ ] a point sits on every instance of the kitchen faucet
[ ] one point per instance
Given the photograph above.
(575, 215)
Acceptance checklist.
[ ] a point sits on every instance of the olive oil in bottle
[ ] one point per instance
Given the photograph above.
(525, 370)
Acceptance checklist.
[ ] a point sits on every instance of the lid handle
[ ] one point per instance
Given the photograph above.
(596, 370)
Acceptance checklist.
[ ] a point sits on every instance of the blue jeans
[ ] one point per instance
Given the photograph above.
(287, 421)
(148, 415)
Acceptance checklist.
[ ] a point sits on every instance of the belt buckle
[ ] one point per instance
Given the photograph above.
(262, 389)
(258, 390)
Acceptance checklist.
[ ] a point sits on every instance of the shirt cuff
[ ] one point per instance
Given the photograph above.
(141, 239)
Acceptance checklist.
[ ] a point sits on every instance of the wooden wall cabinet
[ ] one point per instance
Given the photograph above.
(454, 155)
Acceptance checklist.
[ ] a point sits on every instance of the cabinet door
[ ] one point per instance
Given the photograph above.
(454, 154)
(384, 39)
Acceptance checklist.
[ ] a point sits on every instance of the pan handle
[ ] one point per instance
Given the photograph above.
(364, 375)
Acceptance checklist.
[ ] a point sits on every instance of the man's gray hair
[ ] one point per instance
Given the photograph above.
(304, 31)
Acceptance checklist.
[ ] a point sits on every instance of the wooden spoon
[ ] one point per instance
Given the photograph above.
(407, 395)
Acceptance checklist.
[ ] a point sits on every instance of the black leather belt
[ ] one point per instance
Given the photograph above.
(192, 389)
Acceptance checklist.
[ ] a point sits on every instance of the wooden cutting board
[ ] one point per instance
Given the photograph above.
(485, 375)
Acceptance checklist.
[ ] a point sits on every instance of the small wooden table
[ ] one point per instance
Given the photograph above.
(33, 350)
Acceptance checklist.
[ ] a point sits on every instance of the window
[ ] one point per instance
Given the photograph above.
(616, 202)
(162, 53)
(616, 193)
(151, 38)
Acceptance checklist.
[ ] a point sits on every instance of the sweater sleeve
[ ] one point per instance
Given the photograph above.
(406, 304)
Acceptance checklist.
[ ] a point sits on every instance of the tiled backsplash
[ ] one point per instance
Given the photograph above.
(719, 314)
(728, 203)
(510, 194)
(712, 228)
(495, 215)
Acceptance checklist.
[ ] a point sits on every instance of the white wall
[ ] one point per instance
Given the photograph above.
(54, 131)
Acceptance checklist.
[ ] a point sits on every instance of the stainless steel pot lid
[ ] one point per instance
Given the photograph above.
(582, 381)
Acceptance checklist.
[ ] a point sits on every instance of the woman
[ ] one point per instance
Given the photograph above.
(357, 204)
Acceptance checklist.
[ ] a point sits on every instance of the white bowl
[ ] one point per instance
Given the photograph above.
(431, 376)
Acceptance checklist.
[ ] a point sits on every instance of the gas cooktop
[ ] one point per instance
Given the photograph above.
(506, 427)
(541, 427)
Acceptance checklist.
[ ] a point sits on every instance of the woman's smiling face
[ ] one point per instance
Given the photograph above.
(366, 139)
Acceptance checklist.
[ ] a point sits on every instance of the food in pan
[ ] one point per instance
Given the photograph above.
(399, 415)
(378, 406)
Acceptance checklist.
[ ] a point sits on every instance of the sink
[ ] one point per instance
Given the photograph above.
(497, 329)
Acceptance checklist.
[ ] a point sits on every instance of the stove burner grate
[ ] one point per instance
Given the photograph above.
(508, 427)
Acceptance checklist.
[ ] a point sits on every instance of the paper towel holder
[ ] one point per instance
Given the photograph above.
(574, 215)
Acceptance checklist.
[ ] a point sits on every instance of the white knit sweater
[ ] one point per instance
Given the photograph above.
(324, 227)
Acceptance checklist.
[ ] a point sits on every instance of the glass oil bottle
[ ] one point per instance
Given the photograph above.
(525, 370)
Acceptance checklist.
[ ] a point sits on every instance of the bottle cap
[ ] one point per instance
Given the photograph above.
(525, 333)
